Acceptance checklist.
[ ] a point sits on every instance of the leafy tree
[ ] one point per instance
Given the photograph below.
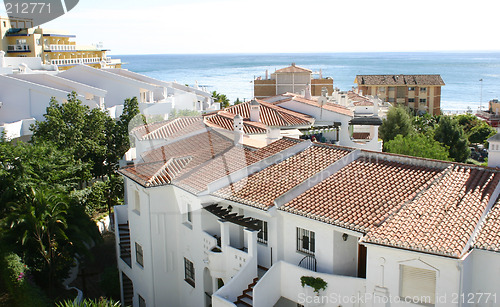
(467, 121)
(480, 133)
(224, 101)
(237, 101)
(425, 123)
(449, 133)
(49, 232)
(398, 121)
(89, 134)
(417, 145)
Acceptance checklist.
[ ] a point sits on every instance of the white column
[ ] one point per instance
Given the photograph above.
(224, 234)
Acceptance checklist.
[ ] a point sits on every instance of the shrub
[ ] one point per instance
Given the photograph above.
(316, 283)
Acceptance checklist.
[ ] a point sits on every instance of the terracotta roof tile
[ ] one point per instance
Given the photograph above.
(169, 129)
(399, 80)
(293, 68)
(361, 194)
(489, 236)
(225, 120)
(233, 160)
(262, 188)
(312, 102)
(272, 115)
(443, 218)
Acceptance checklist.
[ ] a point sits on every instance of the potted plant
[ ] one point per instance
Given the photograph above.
(317, 283)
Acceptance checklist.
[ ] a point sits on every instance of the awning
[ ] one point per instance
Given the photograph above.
(366, 120)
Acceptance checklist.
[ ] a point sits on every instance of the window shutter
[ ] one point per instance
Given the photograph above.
(418, 283)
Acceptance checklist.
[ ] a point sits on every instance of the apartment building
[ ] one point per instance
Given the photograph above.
(211, 222)
(421, 93)
(57, 47)
(293, 79)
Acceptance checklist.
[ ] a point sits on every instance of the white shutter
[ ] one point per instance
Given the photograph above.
(418, 284)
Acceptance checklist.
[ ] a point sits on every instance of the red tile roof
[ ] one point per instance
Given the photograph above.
(261, 189)
(399, 80)
(443, 218)
(312, 102)
(272, 115)
(489, 236)
(169, 129)
(293, 68)
(225, 120)
(233, 160)
(361, 194)
(359, 100)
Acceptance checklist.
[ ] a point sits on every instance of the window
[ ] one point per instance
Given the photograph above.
(423, 89)
(305, 241)
(418, 284)
(137, 202)
(391, 99)
(392, 88)
(189, 272)
(189, 214)
(381, 89)
(423, 100)
(411, 89)
(411, 100)
(262, 235)
(139, 256)
(142, 301)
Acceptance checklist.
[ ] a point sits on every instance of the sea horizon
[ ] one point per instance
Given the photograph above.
(232, 73)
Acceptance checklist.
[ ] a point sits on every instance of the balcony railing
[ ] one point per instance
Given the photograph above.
(75, 61)
(62, 48)
(18, 48)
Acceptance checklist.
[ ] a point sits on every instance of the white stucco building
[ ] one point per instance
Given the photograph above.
(210, 222)
(26, 93)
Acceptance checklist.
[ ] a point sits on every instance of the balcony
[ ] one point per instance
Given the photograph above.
(122, 234)
(18, 48)
(61, 48)
(283, 280)
(75, 61)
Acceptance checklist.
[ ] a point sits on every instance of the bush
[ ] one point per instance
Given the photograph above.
(102, 302)
(110, 282)
(316, 283)
(15, 275)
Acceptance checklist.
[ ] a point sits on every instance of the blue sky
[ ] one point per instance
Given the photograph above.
(266, 26)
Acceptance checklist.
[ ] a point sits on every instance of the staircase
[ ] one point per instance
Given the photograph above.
(124, 235)
(246, 299)
(128, 290)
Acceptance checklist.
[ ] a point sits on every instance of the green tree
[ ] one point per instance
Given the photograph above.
(237, 101)
(398, 121)
(218, 97)
(449, 133)
(417, 145)
(480, 133)
(425, 123)
(467, 121)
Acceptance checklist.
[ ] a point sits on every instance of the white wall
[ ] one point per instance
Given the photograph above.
(383, 274)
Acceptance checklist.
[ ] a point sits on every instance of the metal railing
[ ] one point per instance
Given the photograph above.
(75, 61)
(62, 47)
(308, 262)
(18, 47)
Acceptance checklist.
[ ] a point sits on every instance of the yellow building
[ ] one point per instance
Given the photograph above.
(292, 79)
(421, 93)
(20, 39)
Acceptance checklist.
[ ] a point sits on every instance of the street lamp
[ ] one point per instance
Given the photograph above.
(481, 97)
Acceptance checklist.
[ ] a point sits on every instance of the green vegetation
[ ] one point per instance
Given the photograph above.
(51, 188)
(317, 283)
(102, 302)
(437, 137)
(218, 97)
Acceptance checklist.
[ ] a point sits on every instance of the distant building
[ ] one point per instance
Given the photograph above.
(292, 79)
(492, 116)
(20, 39)
(421, 93)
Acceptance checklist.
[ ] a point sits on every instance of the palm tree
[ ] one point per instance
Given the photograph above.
(39, 225)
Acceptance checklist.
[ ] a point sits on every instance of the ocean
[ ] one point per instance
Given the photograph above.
(232, 74)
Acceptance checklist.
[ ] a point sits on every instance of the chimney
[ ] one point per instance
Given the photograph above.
(320, 73)
(293, 64)
(324, 91)
(272, 134)
(267, 74)
(254, 111)
(2, 59)
(307, 95)
(238, 129)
